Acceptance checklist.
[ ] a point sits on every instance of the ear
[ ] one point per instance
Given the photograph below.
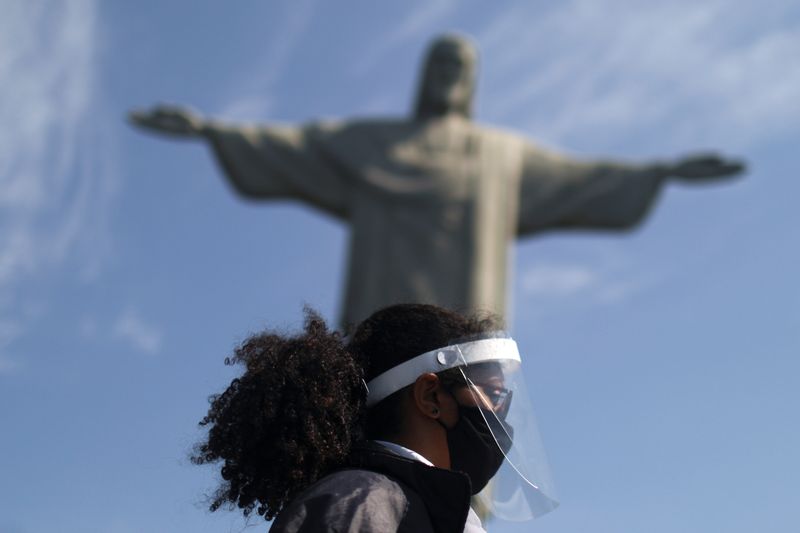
(428, 395)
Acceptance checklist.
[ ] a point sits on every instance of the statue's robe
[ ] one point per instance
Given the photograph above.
(432, 205)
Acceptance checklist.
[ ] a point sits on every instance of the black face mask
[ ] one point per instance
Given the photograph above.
(472, 444)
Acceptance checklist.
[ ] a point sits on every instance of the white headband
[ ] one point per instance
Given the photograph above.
(438, 360)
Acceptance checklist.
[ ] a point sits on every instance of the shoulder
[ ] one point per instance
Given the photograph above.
(347, 500)
(360, 487)
(496, 132)
(355, 124)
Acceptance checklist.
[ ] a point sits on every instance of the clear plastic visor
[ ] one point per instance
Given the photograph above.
(522, 488)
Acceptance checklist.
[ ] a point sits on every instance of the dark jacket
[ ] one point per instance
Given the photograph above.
(380, 492)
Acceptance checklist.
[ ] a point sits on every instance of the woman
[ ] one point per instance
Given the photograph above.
(392, 430)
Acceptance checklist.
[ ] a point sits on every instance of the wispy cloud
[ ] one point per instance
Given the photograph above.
(679, 72)
(422, 18)
(252, 97)
(558, 280)
(574, 285)
(135, 330)
(55, 178)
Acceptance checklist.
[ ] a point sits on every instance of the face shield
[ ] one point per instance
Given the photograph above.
(487, 374)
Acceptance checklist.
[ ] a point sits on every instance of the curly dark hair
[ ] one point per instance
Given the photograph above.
(299, 406)
(287, 420)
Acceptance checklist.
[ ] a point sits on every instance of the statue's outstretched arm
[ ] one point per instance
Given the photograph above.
(558, 191)
(700, 168)
(264, 161)
(170, 120)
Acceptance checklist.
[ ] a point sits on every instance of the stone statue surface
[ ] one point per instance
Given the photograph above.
(432, 201)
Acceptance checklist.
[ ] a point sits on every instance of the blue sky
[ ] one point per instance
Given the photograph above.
(663, 362)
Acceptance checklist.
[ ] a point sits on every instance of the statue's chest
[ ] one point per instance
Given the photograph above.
(439, 149)
(434, 164)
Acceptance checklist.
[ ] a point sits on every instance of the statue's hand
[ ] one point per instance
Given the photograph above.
(171, 120)
(705, 167)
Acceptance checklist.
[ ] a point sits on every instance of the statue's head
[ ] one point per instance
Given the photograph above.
(448, 78)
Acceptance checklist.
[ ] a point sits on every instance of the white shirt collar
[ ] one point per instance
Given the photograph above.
(402, 451)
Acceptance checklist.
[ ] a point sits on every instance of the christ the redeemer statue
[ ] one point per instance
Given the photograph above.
(432, 201)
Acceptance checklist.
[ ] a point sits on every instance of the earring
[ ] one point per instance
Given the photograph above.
(435, 411)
